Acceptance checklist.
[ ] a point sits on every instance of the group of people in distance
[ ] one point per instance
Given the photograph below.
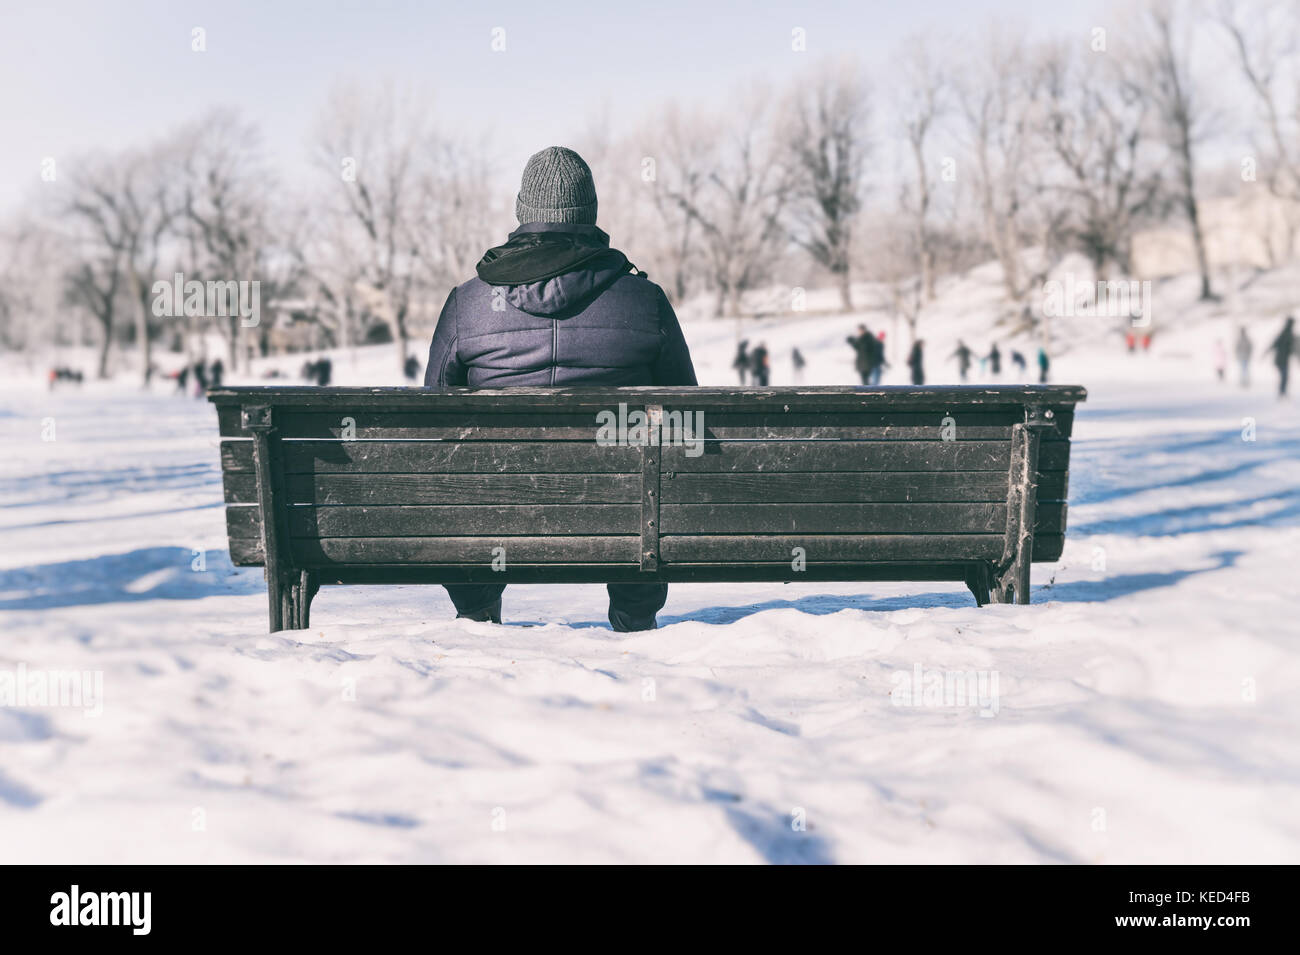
(992, 362)
(63, 373)
(1283, 348)
(205, 376)
(754, 366)
(318, 372)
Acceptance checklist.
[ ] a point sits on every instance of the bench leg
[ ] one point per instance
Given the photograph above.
(289, 598)
(1012, 585)
(1011, 576)
(305, 590)
(977, 579)
(294, 599)
(274, 600)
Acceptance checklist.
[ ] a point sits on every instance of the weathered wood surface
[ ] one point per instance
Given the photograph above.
(676, 488)
(963, 424)
(396, 485)
(569, 400)
(619, 519)
(525, 457)
(720, 551)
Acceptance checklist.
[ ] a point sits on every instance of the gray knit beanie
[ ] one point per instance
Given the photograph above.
(557, 187)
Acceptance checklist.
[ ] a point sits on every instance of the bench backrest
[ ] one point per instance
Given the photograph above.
(392, 484)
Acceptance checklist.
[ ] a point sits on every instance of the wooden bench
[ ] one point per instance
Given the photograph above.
(408, 485)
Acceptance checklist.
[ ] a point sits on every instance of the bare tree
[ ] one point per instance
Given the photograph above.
(1164, 58)
(740, 201)
(32, 260)
(96, 286)
(678, 180)
(1266, 42)
(224, 200)
(920, 103)
(826, 139)
(997, 106)
(1265, 38)
(121, 210)
(1095, 122)
(372, 147)
(456, 213)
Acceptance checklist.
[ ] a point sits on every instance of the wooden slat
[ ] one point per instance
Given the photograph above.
(464, 550)
(722, 548)
(246, 551)
(569, 399)
(395, 489)
(836, 487)
(915, 519)
(377, 457)
(243, 520)
(485, 425)
(871, 456)
(237, 456)
(489, 425)
(615, 519)
(1048, 547)
(844, 487)
(239, 487)
(604, 573)
(969, 425)
(463, 521)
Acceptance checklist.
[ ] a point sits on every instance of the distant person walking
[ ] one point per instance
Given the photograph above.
(218, 371)
(878, 362)
(963, 356)
(182, 378)
(741, 362)
(200, 379)
(411, 368)
(1018, 360)
(1044, 363)
(995, 362)
(1245, 348)
(916, 362)
(1220, 359)
(864, 349)
(797, 360)
(759, 369)
(1282, 348)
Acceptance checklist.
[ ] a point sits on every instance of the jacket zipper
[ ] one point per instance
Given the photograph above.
(555, 347)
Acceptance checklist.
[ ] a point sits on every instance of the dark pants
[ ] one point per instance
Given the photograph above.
(631, 606)
(1282, 373)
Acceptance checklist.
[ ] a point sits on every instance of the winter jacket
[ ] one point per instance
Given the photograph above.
(555, 305)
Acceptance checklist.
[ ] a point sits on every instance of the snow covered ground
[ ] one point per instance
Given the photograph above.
(1147, 705)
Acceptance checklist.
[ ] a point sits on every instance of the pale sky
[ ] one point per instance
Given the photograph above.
(76, 76)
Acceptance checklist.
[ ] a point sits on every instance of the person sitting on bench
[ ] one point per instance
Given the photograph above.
(554, 306)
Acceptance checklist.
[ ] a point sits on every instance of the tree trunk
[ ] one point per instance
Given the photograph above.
(846, 289)
(1198, 239)
(142, 327)
(104, 349)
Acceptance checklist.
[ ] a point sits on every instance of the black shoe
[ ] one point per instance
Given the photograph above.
(622, 623)
(489, 614)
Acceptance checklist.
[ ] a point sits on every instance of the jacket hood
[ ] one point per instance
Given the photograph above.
(547, 267)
